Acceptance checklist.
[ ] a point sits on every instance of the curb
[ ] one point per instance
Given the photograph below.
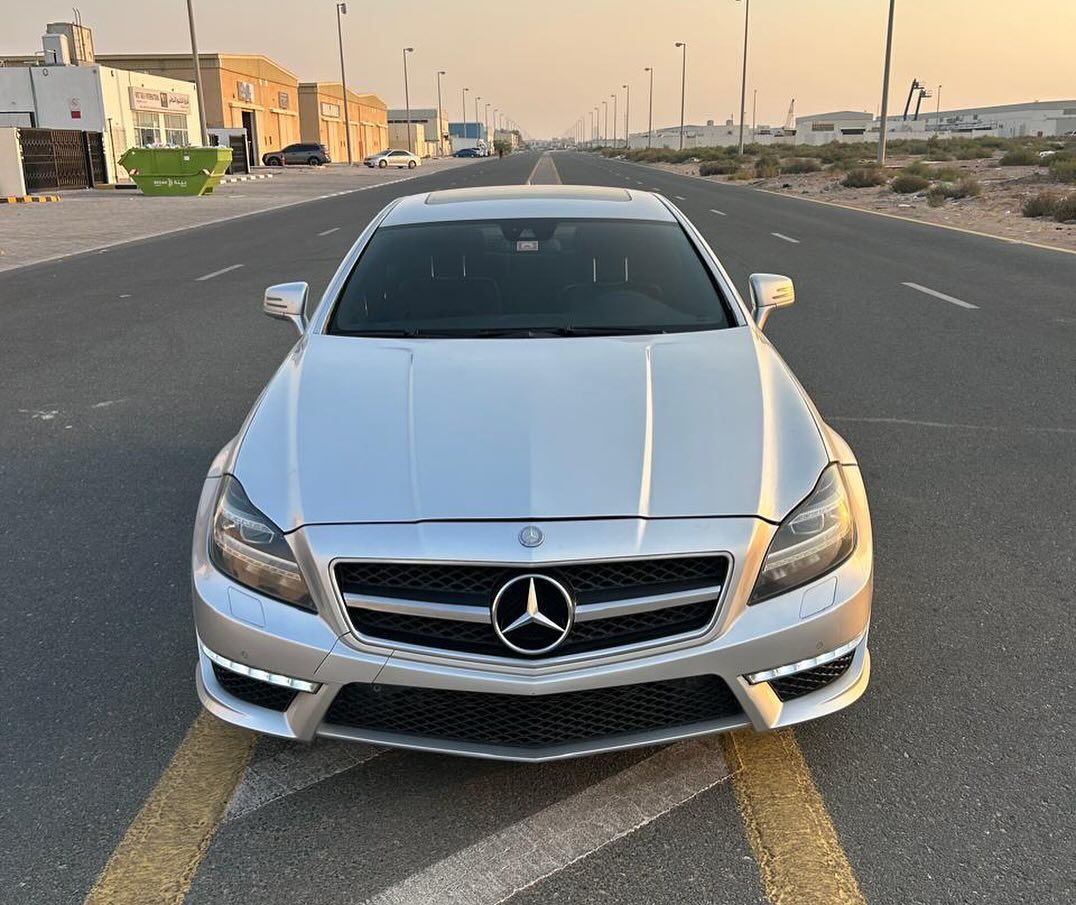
(27, 199)
(248, 178)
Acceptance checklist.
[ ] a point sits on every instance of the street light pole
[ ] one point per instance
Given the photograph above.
(605, 131)
(440, 131)
(743, 82)
(407, 99)
(683, 90)
(597, 124)
(463, 123)
(885, 83)
(485, 120)
(477, 98)
(198, 75)
(614, 97)
(627, 116)
(937, 112)
(650, 121)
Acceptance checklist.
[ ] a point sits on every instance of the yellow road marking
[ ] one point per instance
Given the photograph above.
(157, 857)
(800, 860)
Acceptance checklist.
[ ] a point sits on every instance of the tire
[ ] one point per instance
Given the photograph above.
(382, 163)
(313, 161)
(411, 164)
(273, 162)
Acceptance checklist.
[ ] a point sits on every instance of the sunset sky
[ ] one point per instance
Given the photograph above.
(547, 63)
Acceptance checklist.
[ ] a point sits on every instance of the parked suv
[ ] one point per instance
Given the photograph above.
(313, 154)
(393, 158)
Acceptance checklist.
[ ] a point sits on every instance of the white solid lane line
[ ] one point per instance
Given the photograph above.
(217, 273)
(278, 770)
(496, 868)
(326, 232)
(940, 295)
(786, 238)
(719, 213)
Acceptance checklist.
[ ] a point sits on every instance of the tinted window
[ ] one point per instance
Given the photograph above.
(522, 277)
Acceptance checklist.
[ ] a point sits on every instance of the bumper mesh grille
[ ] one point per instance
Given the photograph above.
(796, 686)
(532, 721)
(254, 691)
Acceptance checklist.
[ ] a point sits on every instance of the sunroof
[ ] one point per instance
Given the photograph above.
(529, 193)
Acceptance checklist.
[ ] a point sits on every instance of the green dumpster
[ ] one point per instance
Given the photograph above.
(176, 171)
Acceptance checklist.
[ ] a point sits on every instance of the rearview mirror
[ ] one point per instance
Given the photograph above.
(287, 301)
(770, 291)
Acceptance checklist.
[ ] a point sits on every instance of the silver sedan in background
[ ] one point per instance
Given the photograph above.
(531, 484)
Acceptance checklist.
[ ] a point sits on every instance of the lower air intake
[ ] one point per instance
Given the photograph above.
(801, 683)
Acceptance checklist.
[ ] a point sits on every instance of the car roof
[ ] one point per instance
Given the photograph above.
(504, 202)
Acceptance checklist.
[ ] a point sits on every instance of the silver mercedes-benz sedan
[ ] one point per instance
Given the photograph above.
(531, 484)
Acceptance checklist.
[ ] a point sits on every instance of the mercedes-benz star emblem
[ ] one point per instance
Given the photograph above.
(531, 536)
(532, 614)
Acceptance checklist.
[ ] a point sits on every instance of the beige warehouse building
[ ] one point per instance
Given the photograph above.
(241, 91)
(321, 119)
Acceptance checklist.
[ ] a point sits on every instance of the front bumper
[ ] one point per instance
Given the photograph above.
(243, 626)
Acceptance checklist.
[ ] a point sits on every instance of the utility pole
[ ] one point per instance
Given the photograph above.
(440, 131)
(650, 121)
(885, 84)
(683, 90)
(627, 117)
(743, 82)
(198, 75)
(407, 100)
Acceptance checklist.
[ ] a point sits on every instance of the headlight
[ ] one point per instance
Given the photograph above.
(818, 535)
(246, 545)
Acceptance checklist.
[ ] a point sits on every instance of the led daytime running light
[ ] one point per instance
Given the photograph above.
(779, 672)
(260, 674)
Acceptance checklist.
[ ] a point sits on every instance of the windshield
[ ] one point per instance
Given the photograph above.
(529, 278)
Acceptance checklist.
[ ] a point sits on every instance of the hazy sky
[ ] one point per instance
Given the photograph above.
(546, 63)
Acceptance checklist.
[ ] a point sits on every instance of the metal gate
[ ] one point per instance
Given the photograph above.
(62, 159)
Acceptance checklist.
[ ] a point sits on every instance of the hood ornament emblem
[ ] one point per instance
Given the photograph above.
(531, 536)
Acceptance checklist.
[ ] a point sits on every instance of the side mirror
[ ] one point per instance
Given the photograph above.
(770, 291)
(287, 301)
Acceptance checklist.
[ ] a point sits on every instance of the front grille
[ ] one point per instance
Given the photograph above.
(254, 691)
(533, 721)
(590, 583)
(801, 683)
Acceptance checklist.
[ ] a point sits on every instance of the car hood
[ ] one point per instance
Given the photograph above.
(680, 425)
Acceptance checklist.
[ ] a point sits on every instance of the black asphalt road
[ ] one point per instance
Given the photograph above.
(951, 781)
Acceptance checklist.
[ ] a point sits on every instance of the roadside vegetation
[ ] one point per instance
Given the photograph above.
(999, 177)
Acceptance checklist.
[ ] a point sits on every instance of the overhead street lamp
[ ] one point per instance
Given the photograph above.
(440, 131)
(650, 123)
(683, 90)
(743, 82)
(885, 83)
(627, 115)
(407, 98)
(477, 98)
(198, 73)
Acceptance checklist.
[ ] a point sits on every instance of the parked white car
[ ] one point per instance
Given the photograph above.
(394, 158)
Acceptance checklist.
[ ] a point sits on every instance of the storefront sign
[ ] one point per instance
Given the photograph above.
(328, 109)
(151, 99)
(283, 99)
(245, 92)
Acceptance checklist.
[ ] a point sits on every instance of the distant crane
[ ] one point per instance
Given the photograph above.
(923, 92)
(788, 128)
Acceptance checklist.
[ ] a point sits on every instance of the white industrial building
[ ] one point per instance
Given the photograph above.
(1036, 118)
(71, 91)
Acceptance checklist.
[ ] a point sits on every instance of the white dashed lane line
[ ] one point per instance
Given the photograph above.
(217, 273)
(940, 295)
(680, 198)
(493, 870)
(719, 213)
(326, 232)
(786, 238)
